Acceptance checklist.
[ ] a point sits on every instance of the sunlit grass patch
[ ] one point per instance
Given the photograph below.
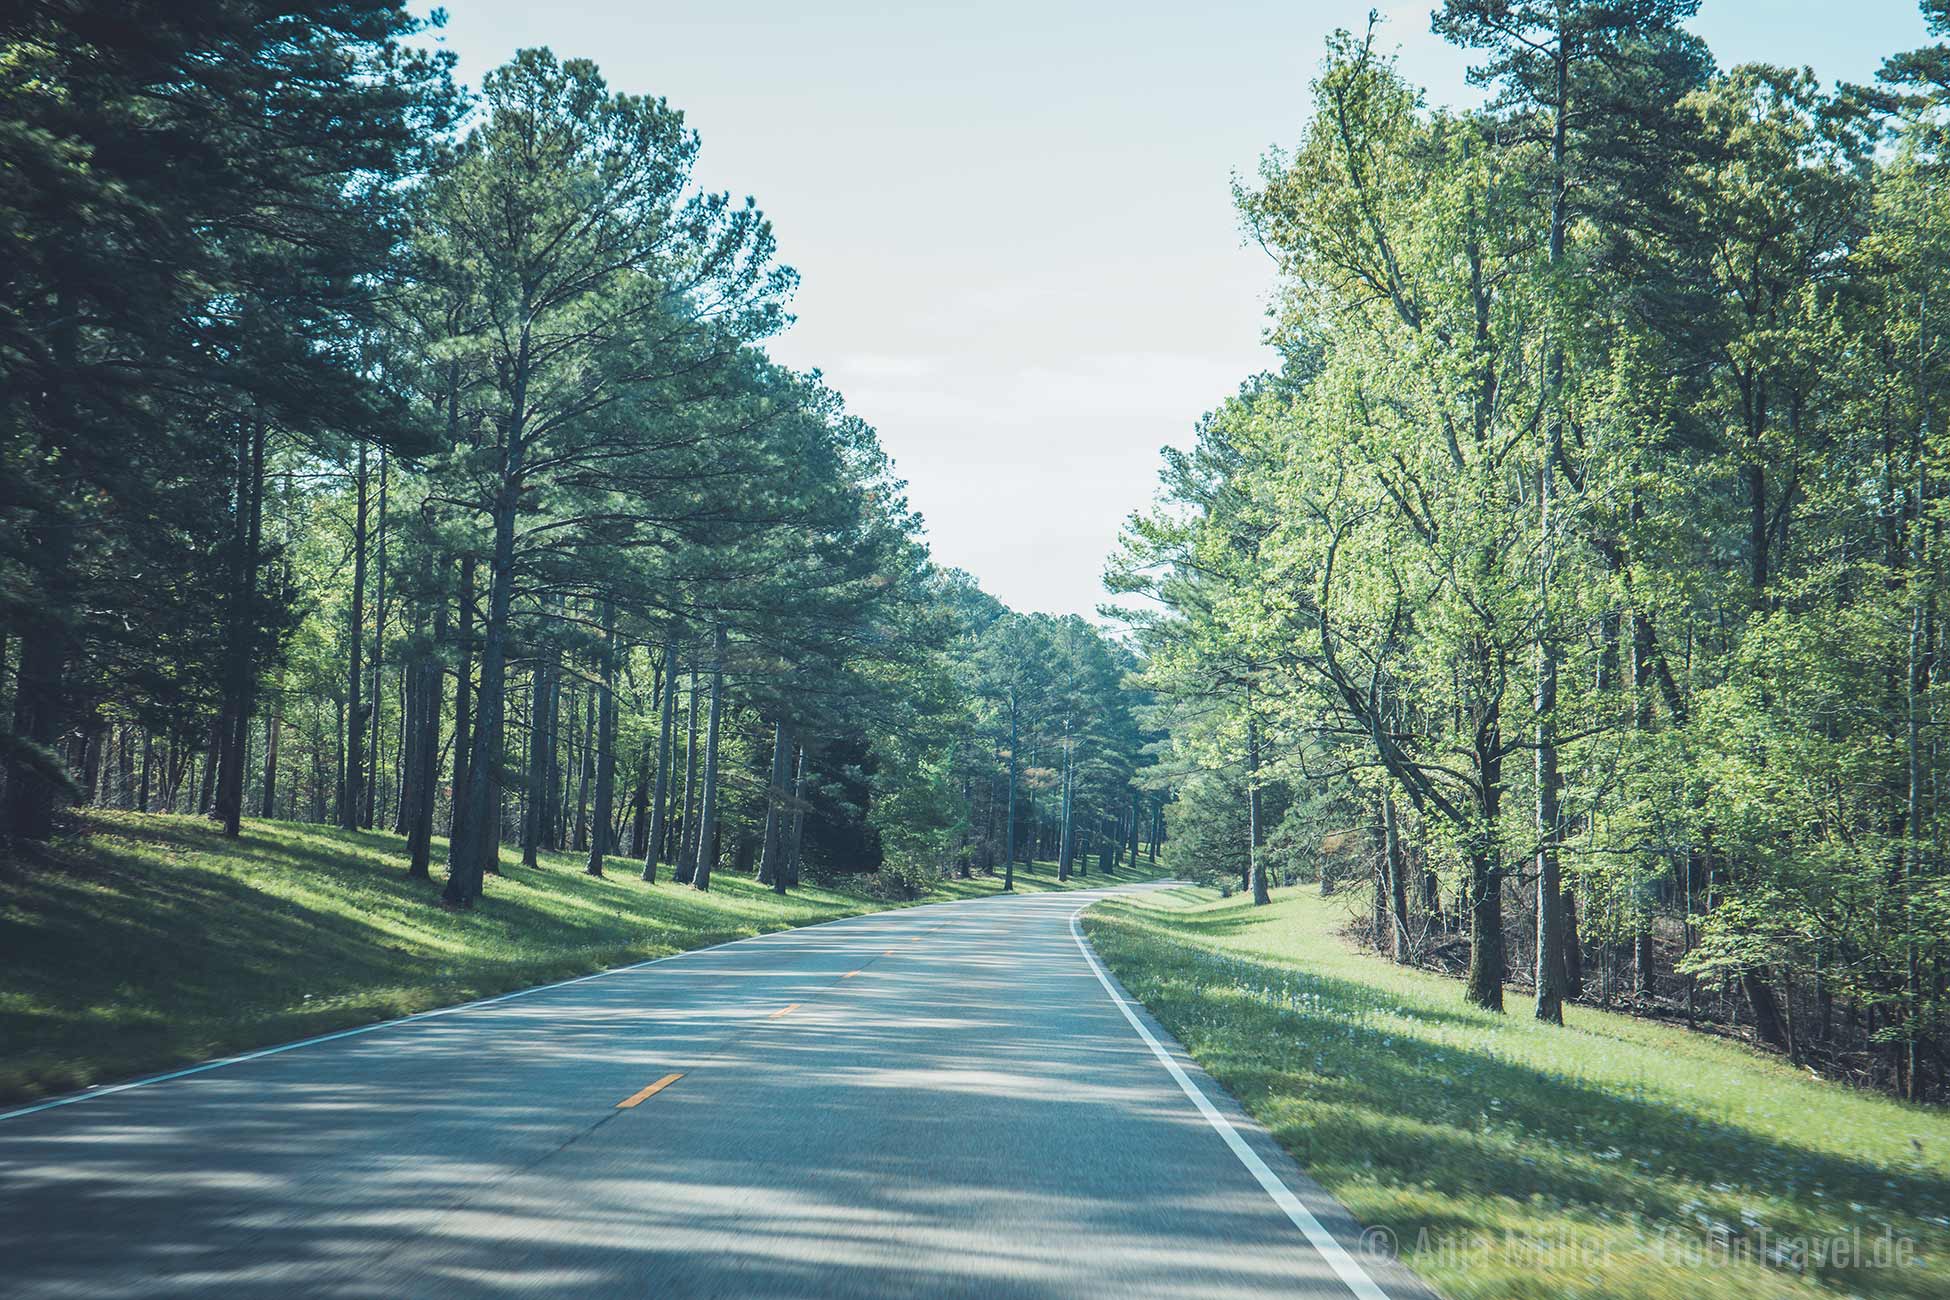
(1040, 878)
(1613, 1157)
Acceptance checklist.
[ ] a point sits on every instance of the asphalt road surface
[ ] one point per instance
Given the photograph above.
(943, 1101)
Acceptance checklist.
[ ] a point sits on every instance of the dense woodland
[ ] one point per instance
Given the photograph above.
(1576, 584)
(390, 455)
(383, 453)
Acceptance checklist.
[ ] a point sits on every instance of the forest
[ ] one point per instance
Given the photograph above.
(501, 790)
(1573, 590)
(385, 454)
(388, 454)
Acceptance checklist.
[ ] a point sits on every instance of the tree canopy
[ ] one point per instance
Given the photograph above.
(1575, 583)
(382, 454)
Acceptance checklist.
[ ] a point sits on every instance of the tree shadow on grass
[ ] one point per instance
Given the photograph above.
(1230, 921)
(154, 940)
(1380, 1103)
(1270, 973)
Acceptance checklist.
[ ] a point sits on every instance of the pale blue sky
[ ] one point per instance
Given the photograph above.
(1013, 220)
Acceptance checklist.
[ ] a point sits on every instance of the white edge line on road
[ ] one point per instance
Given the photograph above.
(1332, 1251)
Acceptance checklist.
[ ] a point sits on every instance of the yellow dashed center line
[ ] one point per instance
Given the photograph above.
(849, 975)
(651, 1091)
(784, 1010)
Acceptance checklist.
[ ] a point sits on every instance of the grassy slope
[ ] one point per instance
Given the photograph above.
(1613, 1157)
(150, 941)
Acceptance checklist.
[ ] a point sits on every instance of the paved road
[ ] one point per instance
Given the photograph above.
(954, 1104)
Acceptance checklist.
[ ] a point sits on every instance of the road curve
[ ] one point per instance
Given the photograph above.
(943, 1101)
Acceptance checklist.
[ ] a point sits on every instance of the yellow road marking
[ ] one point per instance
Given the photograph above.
(784, 1010)
(849, 975)
(891, 952)
(651, 1091)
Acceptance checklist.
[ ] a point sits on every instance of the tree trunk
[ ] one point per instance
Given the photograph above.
(40, 695)
(92, 743)
(477, 837)
(639, 813)
(416, 789)
(794, 855)
(540, 781)
(1063, 845)
(687, 829)
(707, 818)
(351, 797)
(338, 760)
(582, 834)
(1378, 924)
(660, 796)
(1485, 987)
(1768, 1025)
(1641, 725)
(1079, 851)
(409, 719)
(1486, 954)
(1573, 948)
(413, 672)
(206, 789)
(463, 691)
(419, 794)
(240, 667)
(34, 776)
(367, 814)
(771, 867)
(1392, 859)
(605, 744)
(1753, 981)
(124, 793)
(1549, 976)
(1255, 868)
(565, 718)
(1917, 689)
(1550, 917)
(1009, 853)
(273, 734)
(318, 763)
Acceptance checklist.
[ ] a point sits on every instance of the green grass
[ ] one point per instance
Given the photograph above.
(149, 941)
(1040, 878)
(1613, 1157)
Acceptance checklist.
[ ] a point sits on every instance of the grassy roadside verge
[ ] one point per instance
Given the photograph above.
(149, 941)
(1614, 1158)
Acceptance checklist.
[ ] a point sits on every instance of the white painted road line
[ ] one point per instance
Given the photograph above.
(1338, 1259)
